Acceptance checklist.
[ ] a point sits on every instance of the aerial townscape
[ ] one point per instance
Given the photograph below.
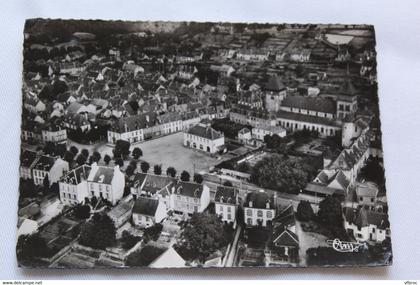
(183, 144)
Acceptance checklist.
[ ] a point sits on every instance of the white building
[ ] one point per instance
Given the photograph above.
(190, 197)
(366, 226)
(260, 132)
(259, 209)
(106, 182)
(54, 134)
(49, 166)
(204, 138)
(73, 185)
(148, 211)
(28, 160)
(226, 203)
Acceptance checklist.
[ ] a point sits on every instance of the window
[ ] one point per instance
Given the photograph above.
(259, 213)
(347, 108)
(372, 200)
(221, 208)
(229, 216)
(359, 235)
(269, 214)
(373, 230)
(249, 221)
(249, 212)
(229, 209)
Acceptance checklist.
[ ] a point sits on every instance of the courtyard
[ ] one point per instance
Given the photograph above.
(170, 151)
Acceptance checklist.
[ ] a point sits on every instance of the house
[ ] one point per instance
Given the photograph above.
(244, 135)
(122, 212)
(76, 108)
(106, 183)
(28, 159)
(352, 128)
(252, 55)
(134, 128)
(345, 96)
(259, 132)
(148, 211)
(224, 70)
(52, 167)
(300, 55)
(34, 105)
(285, 246)
(226, 204)
(366, 194)
(169, 259)
(366, 225)
(202, 136)
(73, 185)
(156, 186)
(259, 209)
(54, 133)
(190, 197)
(74, 122)
(313, 106)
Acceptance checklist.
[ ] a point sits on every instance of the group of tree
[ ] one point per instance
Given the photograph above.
(99, 232)
(201, 236)
(281, 173)
(170, 171)
(144, 256)
(185, 176)
(136, 153)
(82, 211)
(121, 149)
(277, 143)
(304, 211)
(152, 232)
(157, 169)
(30, 248)
(230, 129)
(373, 171)
(129, 240)
(198, 178)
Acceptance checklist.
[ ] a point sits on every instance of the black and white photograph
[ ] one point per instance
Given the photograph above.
(200, 144)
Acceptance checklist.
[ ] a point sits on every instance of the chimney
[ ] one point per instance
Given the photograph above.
(125, 127)
(147, 118)
(250, 203)
(267, 205)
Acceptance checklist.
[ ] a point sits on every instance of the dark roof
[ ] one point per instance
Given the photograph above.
(137, 122)
(204, 132)
(259, 200)
(226, 195)
(155, 183)
(189, 189)
(305, 118)
(45, 163)
(364, 217)
(274, 84)
(27, 158)
(285, 217)
(77, 175)
(310, 103)
(321, 189)
(284, 237)
(145, 206)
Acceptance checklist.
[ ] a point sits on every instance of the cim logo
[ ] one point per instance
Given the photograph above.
(345, 246)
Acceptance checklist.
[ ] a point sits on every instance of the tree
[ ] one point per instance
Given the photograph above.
(133, 164)
(201, 236)
(144, 256)
(137, 153)
(128, 240)
(330, 213)
(31, 247)
(119, 162)
(144, 166)
(152, 232)
(129, 170)
(157, 169)
(99, 232)
(198, 178)
(82, 211)
(244, 167)
(107, 159)
(81, 159)
(96, 156)
(122, 149)
(304, 211)
(279, 173)
(68, 156)
(85, 152)
(171, 171)
(185, 176)
(373, 171)
(74, 150)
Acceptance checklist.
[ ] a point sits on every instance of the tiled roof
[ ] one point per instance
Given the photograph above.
(259, 200)
(368, 189)
(274, 84)
(310, 103)
(145, 206)
(137, 122)
(321, 189)
(102, 175)
(205, 132)
(45, 163)
(226, 195)
(189, 189)
(285, 237)
(77, 175)
(364, 217)
(305, 118)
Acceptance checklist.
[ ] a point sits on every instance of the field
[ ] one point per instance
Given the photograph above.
(169, 151)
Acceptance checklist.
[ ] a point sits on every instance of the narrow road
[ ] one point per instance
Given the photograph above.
(231, 255)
